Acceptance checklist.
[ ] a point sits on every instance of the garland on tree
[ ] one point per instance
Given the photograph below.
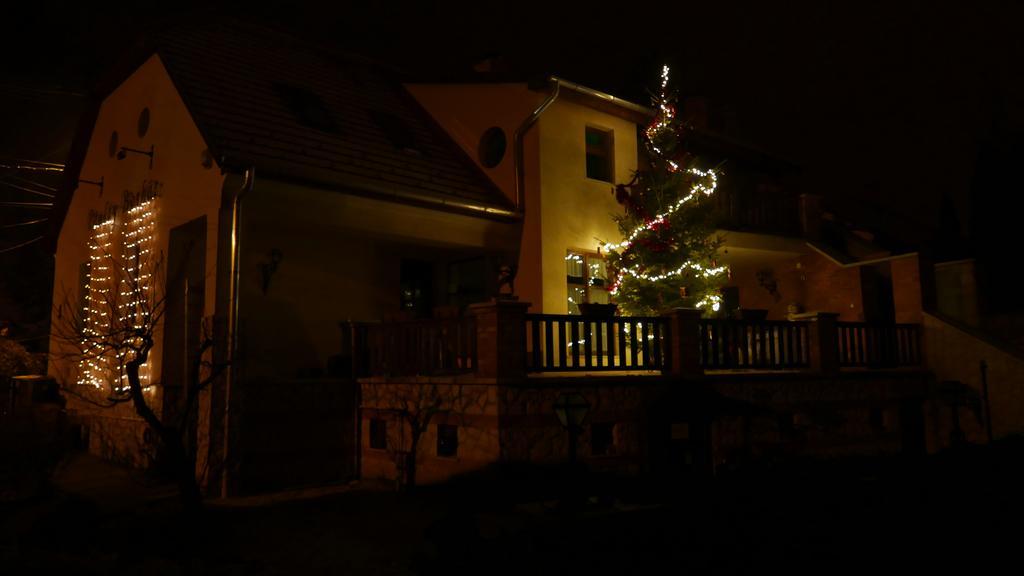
(668, 258)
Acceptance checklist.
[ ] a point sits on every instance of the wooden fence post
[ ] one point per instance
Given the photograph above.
(684, 343)
(824, 343)
(500, 338)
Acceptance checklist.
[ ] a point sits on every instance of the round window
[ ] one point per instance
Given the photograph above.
(143, 122)
(492, 146)
(113, 144)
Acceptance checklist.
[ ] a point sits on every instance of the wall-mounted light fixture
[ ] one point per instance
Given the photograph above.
(123, 153)
(93, 182)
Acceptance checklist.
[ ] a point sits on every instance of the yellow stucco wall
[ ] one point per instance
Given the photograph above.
(188, 190)
(575, 211)
(466, 111)
(953, 354)
(564, 209)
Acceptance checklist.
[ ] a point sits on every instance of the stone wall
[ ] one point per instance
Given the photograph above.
(117, 433)
(402, 404)
(531, 431)
(504, 422)
(787, 415)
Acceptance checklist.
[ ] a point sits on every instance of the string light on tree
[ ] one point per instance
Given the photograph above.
(668, 255)
(695, 190)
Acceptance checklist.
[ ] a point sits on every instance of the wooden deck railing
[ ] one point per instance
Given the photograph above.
(680, 343)
(775, 212)
(418, 347)
(764, 344)
(878, 345)
(560, 342)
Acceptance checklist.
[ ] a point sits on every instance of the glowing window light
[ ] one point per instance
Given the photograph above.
(96, 363)
(134, 289)
(112, 310)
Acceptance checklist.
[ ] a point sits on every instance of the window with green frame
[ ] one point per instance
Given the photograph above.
(599, 154)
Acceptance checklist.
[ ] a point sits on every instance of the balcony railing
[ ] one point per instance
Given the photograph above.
(559, 342)
(767, 345)
(501, 340)
(878, 345)
(772, 212)
(417, 348)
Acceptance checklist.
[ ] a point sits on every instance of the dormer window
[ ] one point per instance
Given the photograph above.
(307, 107)
(396, 130)
(600, 155)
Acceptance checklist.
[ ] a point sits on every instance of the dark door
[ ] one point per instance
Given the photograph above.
(417, 287)
(876, 291)
(467, 281)
(183, 316)
(879, 310)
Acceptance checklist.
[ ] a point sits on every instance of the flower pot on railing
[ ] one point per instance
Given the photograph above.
(598, 310)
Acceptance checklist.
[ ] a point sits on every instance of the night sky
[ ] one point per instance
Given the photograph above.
(887, 109)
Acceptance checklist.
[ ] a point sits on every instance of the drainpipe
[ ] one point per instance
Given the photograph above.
(983, 366)
(519, 137)
(248, 179)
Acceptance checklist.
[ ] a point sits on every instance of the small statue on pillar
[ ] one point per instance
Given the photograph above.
(506, 277)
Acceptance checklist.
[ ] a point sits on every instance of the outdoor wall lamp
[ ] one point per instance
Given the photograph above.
(123, 153)
(572, 409)
(93, 182)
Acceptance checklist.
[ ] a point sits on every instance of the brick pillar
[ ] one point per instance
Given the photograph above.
(824, 343)
(810, 216)
(500, 338)
(684, 343)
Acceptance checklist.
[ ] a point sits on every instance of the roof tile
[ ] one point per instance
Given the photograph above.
(230, 74)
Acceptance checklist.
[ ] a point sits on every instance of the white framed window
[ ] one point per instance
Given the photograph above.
(586, 276)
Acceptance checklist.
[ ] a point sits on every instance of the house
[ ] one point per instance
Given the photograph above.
(288, 190)
(341, 234)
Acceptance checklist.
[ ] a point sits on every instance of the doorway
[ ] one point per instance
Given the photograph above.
(183, 317)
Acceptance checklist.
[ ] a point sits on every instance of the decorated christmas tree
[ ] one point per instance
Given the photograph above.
(668, 255)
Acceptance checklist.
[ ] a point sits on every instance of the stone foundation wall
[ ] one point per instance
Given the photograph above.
(116, 433)
(504, 423)
(469, 405)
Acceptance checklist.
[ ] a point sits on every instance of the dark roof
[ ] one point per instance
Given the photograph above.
(301, 113)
